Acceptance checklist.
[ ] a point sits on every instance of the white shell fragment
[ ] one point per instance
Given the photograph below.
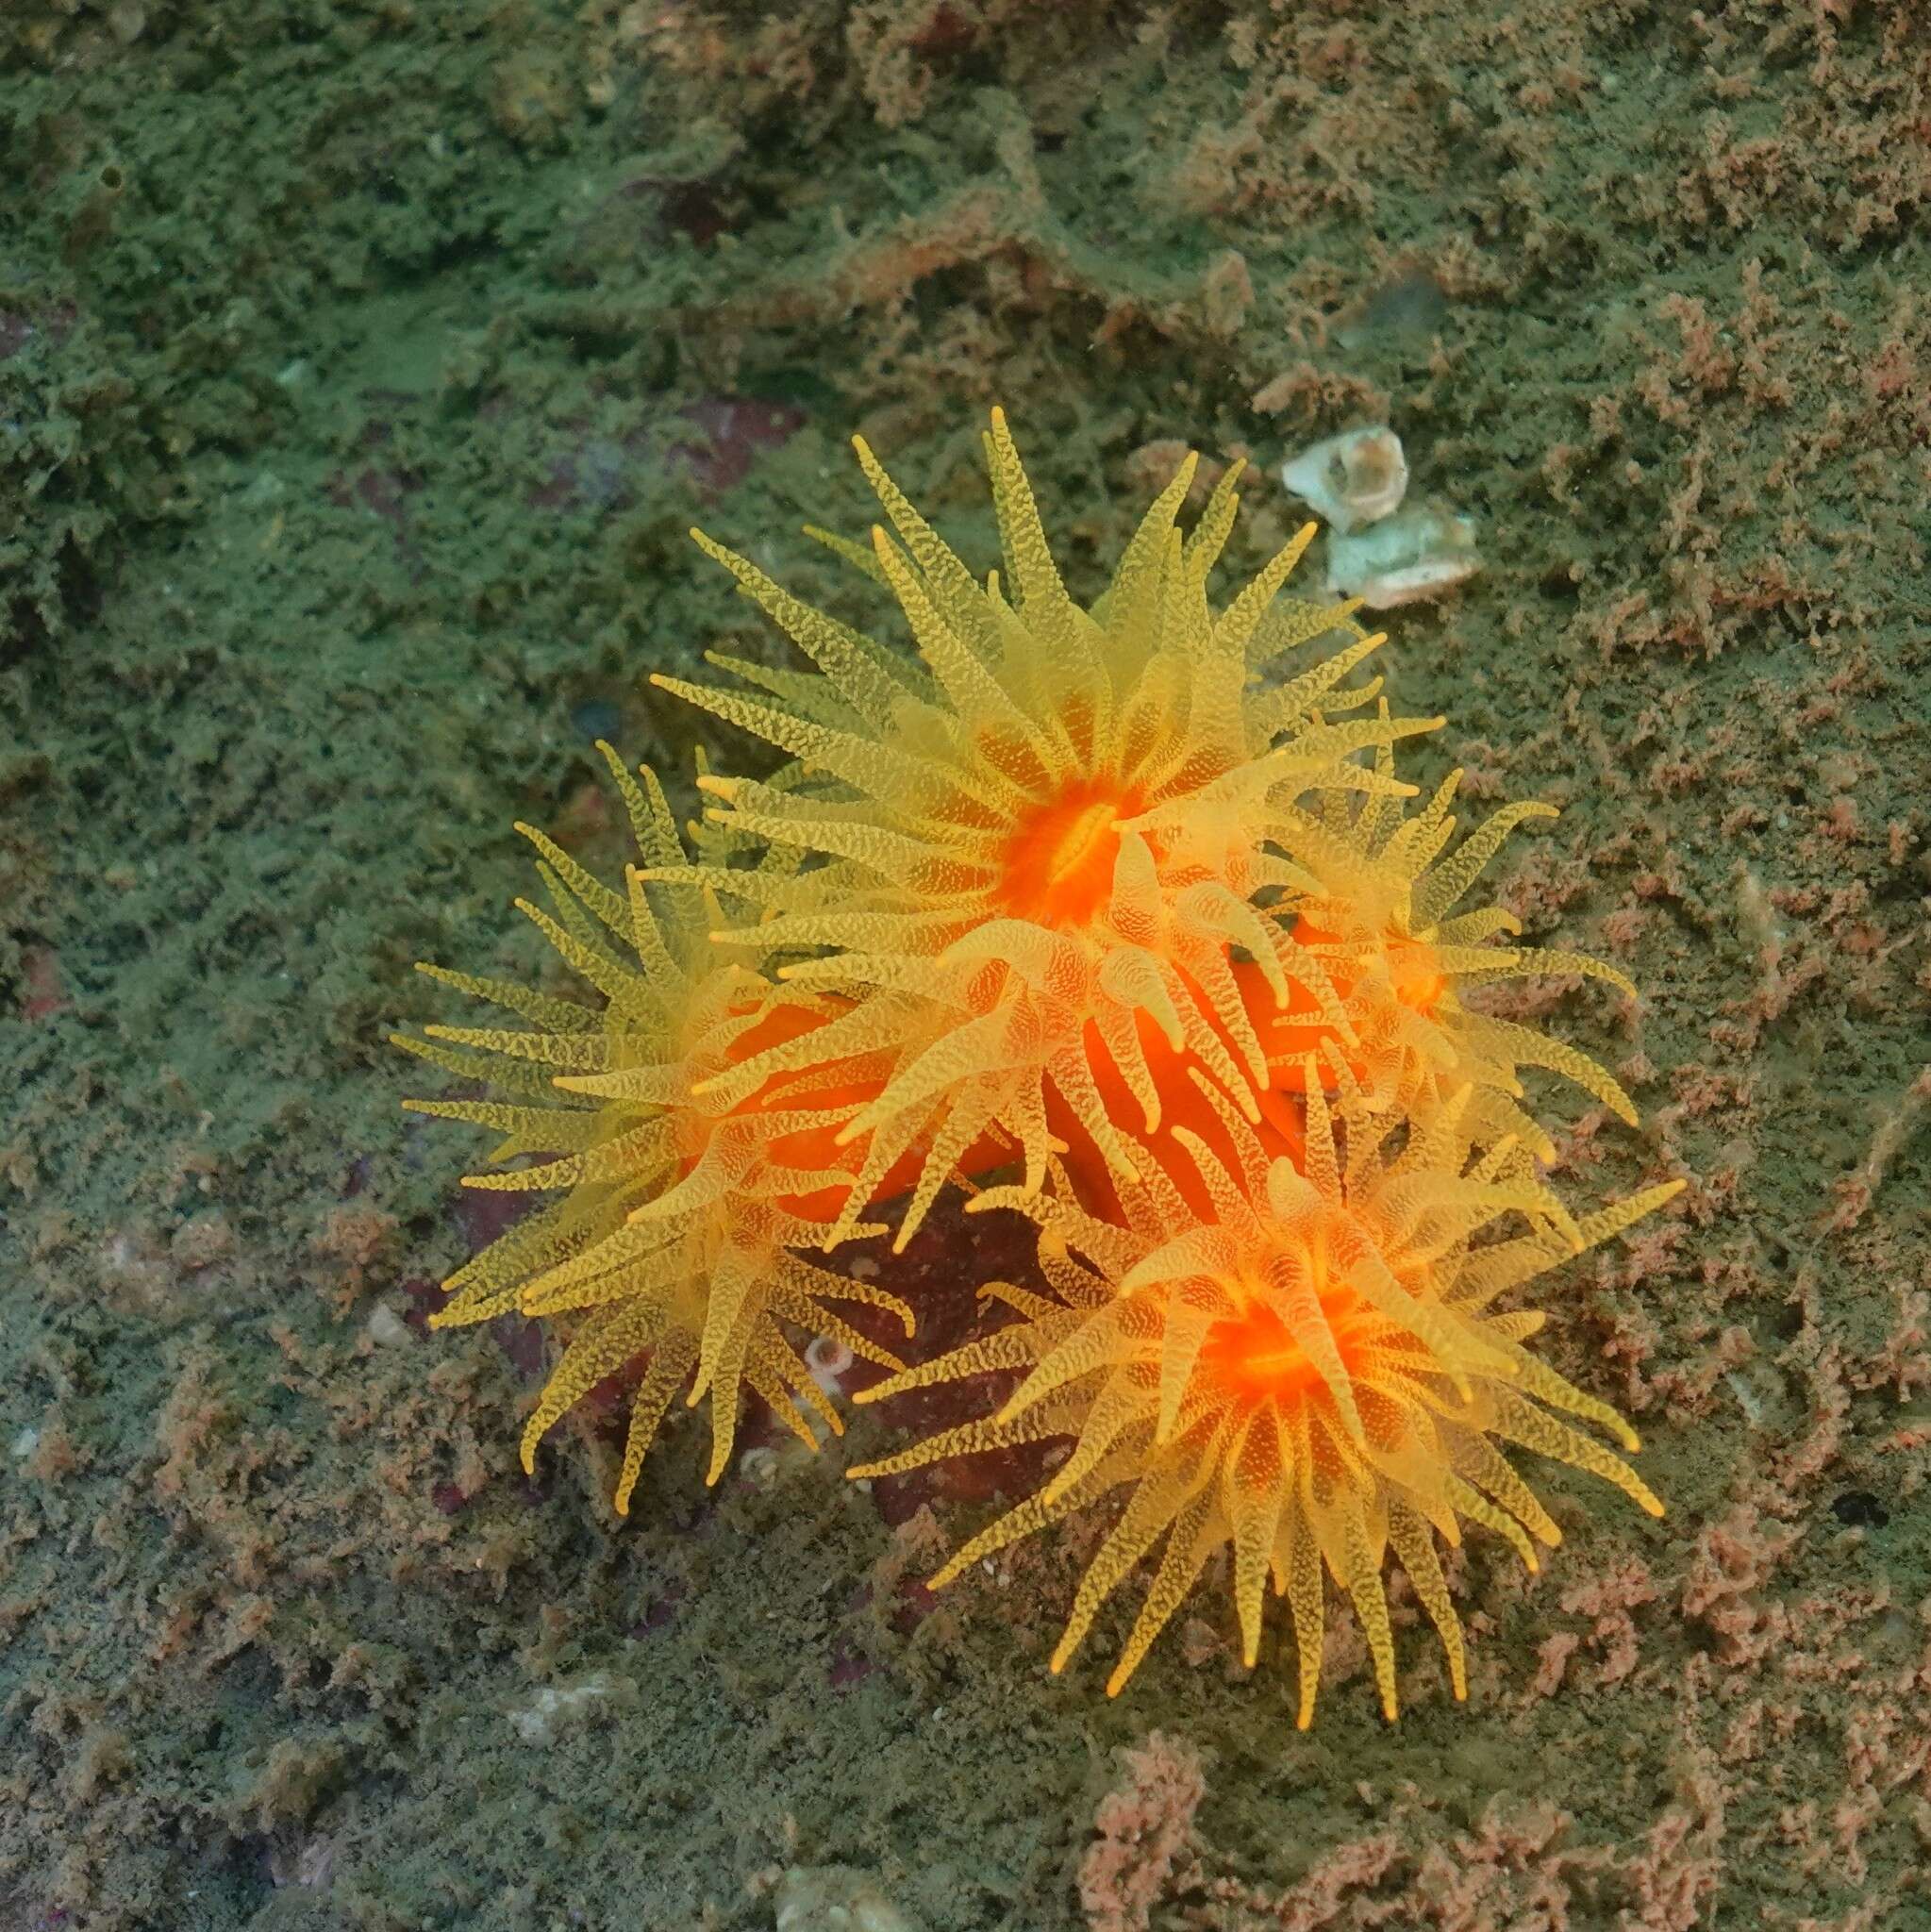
(1418, 554)
(827, 1359)
(1351, 480)
(834, 1898)
(558, 1707)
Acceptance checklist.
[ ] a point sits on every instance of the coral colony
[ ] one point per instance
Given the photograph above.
(1119, 918)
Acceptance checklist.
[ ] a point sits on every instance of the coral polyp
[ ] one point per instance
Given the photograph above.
(1372, 901)
(1053, 819)
(1312, 1374)
(673, 1241)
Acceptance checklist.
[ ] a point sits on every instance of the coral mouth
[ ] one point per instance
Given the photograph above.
(1055, 866)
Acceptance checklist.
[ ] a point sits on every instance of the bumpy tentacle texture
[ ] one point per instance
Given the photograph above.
(1311, 1372)
(1051, 824)
(672, 1240)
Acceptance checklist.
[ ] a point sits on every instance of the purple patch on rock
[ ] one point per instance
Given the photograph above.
(424, 1297)
(521, 1340)
(486, 1214)
(737, 430)
(595, 473)
(659, 1612)
(18, 326)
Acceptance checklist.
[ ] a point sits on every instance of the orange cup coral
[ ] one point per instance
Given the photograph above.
(675, 1238)
(1311, 1372)
(1371, 902)
(1102, 898)
(1054, 819)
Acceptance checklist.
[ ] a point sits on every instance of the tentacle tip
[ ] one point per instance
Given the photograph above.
(1653, 1506)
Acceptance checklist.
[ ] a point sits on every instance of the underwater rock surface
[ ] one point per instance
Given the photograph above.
(362, 371)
